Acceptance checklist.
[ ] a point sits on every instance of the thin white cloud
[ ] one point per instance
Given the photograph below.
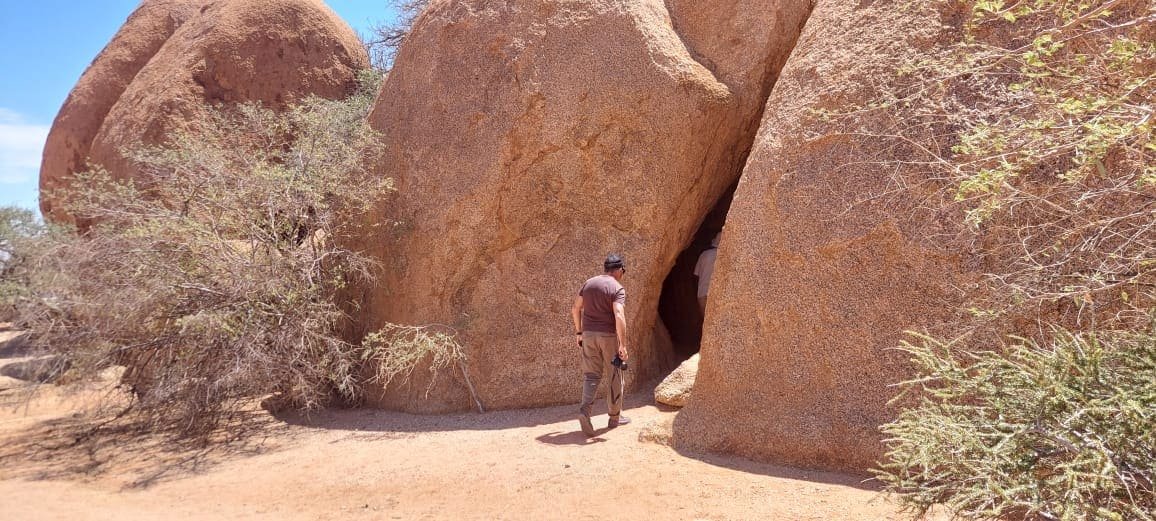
(21, 147)
(9, 116)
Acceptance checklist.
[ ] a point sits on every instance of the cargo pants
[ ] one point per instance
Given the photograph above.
(598, 350)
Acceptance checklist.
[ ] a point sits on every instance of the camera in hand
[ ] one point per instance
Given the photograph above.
(619, 363)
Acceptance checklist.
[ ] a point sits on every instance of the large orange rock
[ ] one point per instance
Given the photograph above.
(530, 138)
(825, 261)
(174, 58)
(67, 148)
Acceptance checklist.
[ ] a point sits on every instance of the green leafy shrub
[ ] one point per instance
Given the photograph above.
(1062, 431)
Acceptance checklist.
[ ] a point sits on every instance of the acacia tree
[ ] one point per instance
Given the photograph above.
(219, 275)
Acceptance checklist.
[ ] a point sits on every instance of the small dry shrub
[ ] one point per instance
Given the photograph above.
(396, 351)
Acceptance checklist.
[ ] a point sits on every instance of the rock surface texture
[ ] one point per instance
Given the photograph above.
(823, 264)
(530, 138)
(675, 389)
(173, 58)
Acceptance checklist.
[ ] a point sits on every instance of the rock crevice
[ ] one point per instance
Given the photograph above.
(528, 139)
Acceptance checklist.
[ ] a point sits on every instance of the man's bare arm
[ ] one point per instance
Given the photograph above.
(620, 326)
(576, 313)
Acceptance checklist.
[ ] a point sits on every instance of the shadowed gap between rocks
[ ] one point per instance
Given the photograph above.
(678, 307)
(678, 304)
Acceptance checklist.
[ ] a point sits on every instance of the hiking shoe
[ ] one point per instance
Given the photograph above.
(616, 421)
(587, 426)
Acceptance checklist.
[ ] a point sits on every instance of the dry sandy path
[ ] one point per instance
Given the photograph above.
(365, 464)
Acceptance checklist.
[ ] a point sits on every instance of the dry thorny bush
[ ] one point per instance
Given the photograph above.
(398, 350)
(1045, 107)
(1038, 122)
(385, 38)
(220, 278)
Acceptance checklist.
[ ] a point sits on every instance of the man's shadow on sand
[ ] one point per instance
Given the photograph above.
(572, 438)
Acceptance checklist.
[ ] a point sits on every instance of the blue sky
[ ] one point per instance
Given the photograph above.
(44, 48)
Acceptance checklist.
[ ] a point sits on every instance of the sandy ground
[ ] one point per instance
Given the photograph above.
(366, 464)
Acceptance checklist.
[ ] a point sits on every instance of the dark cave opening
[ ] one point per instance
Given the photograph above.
(678, 305)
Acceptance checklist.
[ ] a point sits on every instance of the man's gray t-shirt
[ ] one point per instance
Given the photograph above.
(598, 297)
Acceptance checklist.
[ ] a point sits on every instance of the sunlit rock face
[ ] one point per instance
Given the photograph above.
(823, 263)
(530, 138)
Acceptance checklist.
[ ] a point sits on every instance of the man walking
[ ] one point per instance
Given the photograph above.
(599, 314)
